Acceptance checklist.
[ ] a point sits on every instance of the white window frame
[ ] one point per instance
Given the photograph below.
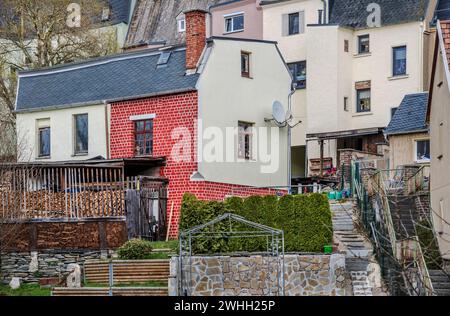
(41, 124)
(74, 135)
(232, 16)
(420, 161)
(181, 25)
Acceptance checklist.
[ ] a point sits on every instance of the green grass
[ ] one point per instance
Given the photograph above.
(25, 290)
(173, 244)
(158, 255)
(131, 284)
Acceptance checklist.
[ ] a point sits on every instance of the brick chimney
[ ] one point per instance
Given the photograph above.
(195, 36)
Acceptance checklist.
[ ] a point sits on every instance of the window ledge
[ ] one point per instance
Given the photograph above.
(422, 162)
(362, 55)
(80, 155)
(232, 32)
(398, 77)
(362, 114)
(44, 158)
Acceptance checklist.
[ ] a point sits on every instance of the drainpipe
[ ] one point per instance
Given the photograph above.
(325, 21)
(294, 86)
(108, 147)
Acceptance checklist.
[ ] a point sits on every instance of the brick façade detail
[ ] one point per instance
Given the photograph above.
(172, 111)
(195, 37)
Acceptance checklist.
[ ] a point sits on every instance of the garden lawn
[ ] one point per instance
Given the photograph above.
(25, 290)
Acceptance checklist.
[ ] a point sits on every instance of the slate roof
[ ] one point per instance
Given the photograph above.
(410, 117)
(121, 10)
(155, 21)
(354, 14)
(118, 77)
(442, 10)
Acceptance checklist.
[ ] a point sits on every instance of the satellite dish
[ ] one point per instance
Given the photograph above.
(279, 115)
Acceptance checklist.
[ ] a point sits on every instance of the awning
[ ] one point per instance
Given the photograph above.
(345, 134)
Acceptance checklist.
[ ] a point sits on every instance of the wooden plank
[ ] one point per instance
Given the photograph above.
(133, 205)
(65, 192)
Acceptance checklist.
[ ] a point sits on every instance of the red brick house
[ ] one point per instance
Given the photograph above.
(177, 102)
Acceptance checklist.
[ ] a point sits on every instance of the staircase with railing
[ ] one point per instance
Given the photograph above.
(384, 186)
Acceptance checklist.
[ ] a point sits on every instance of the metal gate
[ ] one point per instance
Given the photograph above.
(146, 206)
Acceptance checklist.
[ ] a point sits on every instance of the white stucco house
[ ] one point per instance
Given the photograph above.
(351, 75)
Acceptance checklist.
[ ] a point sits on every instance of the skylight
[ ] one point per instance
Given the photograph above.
(163, 59)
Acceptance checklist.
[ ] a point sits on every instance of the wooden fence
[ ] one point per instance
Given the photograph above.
(30, 192)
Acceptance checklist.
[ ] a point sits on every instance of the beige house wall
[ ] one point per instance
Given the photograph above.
(253, 19)
(225, 98)
(294, 49)
(402, 149)
(440, 154)
(62, 133)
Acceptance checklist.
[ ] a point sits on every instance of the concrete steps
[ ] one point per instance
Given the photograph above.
(357, 249)
(342, 217)
(441, 282)
(361, 284)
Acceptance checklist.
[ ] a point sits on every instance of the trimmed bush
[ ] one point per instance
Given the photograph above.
(305, 219)
(135, 249)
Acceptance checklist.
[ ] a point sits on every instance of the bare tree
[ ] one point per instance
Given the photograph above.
(43, 33)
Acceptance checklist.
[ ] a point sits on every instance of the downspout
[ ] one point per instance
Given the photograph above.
(423, 61)
(325, 20)
(107, 138)
(294, 86)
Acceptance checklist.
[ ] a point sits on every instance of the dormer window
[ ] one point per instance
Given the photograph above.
(182, 25)
(106, 14)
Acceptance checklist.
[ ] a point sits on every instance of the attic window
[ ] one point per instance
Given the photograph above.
(163, 59)
(106, 14)
(182, 25)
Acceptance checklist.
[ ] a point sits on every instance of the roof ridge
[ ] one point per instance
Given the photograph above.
(91, 62)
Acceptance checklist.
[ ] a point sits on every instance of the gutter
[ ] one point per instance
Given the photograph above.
(407, 132)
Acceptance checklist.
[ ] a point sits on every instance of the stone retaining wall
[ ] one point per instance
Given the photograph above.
(32, 267)
(304, 275)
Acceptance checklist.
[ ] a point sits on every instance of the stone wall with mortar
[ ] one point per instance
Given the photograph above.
(42, 266)
(304, 275)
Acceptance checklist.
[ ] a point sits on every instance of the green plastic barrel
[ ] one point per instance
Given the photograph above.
(332, 195)
(328, 249)
(338, 195)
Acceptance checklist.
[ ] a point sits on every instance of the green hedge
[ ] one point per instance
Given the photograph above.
(305, 220)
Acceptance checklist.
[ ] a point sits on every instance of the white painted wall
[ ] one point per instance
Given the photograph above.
(225, 97)
(332, 74)
(440, 168)
(62, 133)
(294, 49)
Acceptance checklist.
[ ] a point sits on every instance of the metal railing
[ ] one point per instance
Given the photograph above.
(378, 181)
(412, 250)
